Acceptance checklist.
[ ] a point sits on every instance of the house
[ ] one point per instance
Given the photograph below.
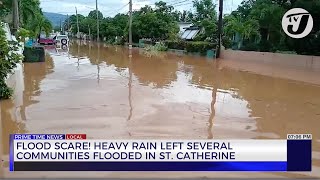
(190, 33)
(183, 26)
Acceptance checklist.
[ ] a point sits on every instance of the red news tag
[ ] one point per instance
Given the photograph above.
(76, 136)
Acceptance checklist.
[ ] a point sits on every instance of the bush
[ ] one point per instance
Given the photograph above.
(201, 47)
(265, 46)
(34, 54)
(180, 45)
(8, 60)
(250, 47)
(198, 46)
(23, 34)
(227, 42)
(160, 47)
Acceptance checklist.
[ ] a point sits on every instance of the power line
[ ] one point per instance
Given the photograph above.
(179, 2)
(183, 4)
(117, 11)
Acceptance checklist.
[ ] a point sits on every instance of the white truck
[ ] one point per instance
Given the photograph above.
(62, 41)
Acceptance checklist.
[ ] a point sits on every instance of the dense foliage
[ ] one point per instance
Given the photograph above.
(191, 46)
(258, 25)
(155, 23)
(158, 23)
(8, 60)
(31, 22)
(31, 16)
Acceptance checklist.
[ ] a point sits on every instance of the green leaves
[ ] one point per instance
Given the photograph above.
(8, 60)
(260, 20)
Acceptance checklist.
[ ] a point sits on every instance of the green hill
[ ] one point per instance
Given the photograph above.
(55, 18)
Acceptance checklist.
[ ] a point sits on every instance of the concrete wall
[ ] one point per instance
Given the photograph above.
(286, 60)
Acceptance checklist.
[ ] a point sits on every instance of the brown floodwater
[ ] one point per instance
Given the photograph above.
(105, 93)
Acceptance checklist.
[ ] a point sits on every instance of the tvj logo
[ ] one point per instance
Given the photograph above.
(297, 23)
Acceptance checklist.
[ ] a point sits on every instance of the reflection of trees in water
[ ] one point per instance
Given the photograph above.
(116, 56)
(154, 70)
(205, 75)
(79, 49)
(9, 125)
(34, 73)
(280, 106)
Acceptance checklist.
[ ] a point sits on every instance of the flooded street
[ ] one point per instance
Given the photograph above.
(100, 91)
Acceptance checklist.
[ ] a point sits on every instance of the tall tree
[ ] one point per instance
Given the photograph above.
(206, 17)
(93, 15)
(28, 10)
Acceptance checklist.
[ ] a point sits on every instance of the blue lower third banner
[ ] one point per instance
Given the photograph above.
(37, 153)
(150, 166)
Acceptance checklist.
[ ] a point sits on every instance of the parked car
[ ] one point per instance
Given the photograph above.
(42, 39)
(62, 40)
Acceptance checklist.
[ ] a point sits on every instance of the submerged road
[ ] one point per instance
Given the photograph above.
(100, 91)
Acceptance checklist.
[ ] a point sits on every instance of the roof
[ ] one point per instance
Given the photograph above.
(190, 34)
(184, 22)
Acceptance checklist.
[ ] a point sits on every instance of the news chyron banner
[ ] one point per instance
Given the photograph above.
(74, 152)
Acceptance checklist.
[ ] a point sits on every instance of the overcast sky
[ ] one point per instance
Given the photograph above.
(112, 7)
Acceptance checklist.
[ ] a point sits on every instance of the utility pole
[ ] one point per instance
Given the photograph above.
(15, 15)
(77, 23)
(89, 32)
(60, 26)
(97, 20)
(1, 148)
(130, 24)
(220, 27)
(68, 23)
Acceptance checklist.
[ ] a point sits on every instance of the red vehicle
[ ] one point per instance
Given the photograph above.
(42, 39)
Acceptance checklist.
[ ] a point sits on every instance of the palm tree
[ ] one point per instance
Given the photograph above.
(250, 29)
(39, 25)
(28, 10)
(245, 28)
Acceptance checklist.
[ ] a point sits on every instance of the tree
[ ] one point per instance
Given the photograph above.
(93, 15)
(245, 28)
(39, 25)
(269, 16)
(5, 8)
(309, 45)
(157, 24)
(28, 10)
(8, 60)
(205, 9)
(190, 16)
(206, 17)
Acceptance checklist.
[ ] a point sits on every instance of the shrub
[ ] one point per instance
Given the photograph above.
(250, 47)
(180, 45)
(197, 46)
(160, 47)
(227, 42)
(8, 60)
(200, 46)
(23, 34)
(265, 46)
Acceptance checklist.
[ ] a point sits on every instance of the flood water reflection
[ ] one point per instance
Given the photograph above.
(100, 91)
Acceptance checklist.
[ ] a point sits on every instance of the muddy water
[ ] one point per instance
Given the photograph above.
(100, 91)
